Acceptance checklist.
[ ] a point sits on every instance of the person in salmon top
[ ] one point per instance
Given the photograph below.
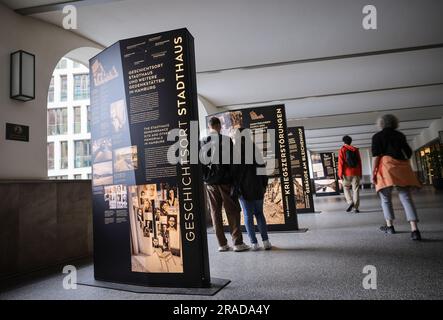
(392, 168)
(350, 172)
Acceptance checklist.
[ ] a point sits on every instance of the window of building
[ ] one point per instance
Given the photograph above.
(81, 86)
(50, 148)
(64, 155)
(77, 176)
(88, 122)
(65, 177)
(62, 64)
(77, 119)
(63, 88)
(51, 91)
(57, 121)
(68, 118)
(82, 153)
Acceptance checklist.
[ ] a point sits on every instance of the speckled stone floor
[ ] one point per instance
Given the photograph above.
(324, 263)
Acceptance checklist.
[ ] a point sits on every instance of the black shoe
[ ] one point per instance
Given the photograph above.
(415, 235)
(356, 211)
(350, 207)
(387, 229)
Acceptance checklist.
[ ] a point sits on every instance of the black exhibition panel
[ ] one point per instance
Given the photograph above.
(324, 170)
(300, 170)
(279, 203)
(148, 212)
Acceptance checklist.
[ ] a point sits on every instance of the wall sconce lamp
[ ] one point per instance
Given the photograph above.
(22, 76)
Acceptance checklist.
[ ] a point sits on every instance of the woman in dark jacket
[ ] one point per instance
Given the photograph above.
(391, 154)
(250, 184)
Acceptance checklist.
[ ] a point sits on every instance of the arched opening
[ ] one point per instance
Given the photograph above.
(68, 117)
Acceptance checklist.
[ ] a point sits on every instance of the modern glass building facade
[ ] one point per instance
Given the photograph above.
(69, 147)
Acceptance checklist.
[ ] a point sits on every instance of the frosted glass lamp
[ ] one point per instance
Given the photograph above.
(22, 76)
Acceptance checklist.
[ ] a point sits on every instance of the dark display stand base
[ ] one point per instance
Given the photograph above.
(315, 212)
(216, 286)
(300, 230)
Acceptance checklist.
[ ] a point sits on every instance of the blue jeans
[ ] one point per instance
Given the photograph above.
(250, 209)
(404, 193)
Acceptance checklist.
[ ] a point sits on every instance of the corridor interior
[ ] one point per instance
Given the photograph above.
(326, 262)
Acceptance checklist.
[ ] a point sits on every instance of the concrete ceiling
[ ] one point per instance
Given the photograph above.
(313, 56)
(19, 4)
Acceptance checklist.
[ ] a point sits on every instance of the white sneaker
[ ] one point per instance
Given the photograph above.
(241, 247)
(255, 247)
(224, 248)
(267, 245)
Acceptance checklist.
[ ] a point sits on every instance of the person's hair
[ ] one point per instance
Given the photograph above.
(214, 121)
(169, 191)
(175, 222)
(347, 139)
(387, 121)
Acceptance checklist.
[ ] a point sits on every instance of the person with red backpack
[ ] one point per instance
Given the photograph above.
(350, 172)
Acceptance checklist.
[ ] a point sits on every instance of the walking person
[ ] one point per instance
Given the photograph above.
(251, 187)
(350, 172)
(391, 168)
(218, 179)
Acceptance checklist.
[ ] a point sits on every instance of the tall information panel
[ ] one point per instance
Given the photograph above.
(148, 212)
(279, 202)
(325, 174)
(300, 170)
